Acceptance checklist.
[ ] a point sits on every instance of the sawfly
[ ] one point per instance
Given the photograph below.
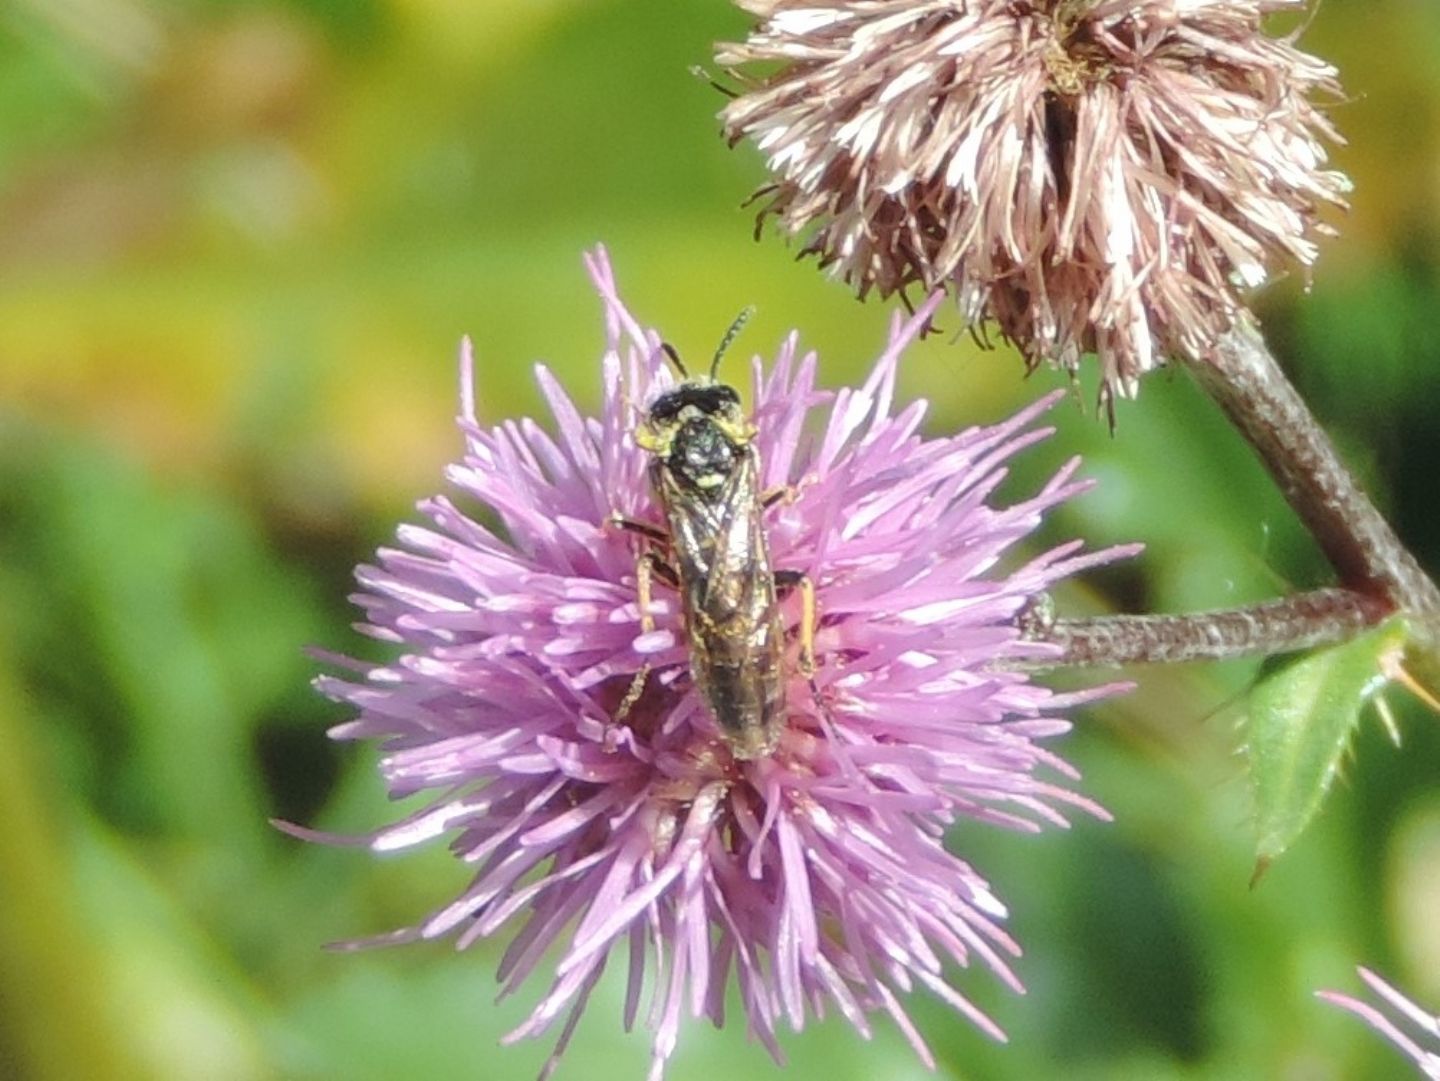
(705, 474)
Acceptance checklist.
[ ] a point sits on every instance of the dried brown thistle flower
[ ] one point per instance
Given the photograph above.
(1098, 176)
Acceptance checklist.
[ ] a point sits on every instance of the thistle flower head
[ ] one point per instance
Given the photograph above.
(1408, 1013)
(1098, 176)
(812, 876)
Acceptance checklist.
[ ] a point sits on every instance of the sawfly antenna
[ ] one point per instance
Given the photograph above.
(730, 336)
(705, 77)
(675, 359)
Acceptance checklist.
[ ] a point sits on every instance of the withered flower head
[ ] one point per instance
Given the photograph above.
(1098, 176)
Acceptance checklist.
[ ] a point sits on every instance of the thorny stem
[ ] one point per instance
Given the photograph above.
(1378, 575)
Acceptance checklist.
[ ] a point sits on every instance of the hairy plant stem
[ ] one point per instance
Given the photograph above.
(1322, 617)
(1249, 386)
(1378, 575)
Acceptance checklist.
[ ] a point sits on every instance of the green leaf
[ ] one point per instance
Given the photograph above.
(1300, 722)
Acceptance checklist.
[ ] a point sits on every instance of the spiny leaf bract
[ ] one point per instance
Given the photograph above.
(1299, 724)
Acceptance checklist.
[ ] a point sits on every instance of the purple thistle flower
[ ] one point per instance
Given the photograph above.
(1100, 176)
(813, 876)
(1428, 1061)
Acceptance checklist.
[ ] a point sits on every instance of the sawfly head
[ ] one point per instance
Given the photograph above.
(697, 430)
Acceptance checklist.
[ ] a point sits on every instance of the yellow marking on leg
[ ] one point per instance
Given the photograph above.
(786, 580)
(807, 626)
(784, 493)
(617, 521)
(644, 575)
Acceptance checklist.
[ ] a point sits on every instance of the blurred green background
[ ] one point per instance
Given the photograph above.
(239, 242)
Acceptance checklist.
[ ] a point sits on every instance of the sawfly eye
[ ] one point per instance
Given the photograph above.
(666, 407)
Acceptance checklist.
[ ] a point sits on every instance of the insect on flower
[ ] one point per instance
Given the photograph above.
(805, 871)
(705, 472)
